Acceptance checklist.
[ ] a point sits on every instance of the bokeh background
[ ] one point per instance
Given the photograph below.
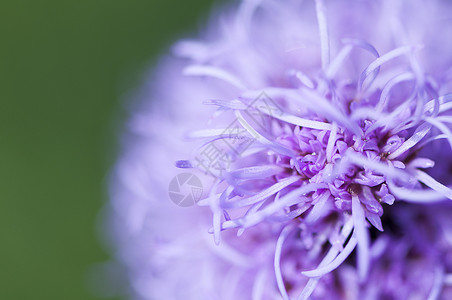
(66, 68)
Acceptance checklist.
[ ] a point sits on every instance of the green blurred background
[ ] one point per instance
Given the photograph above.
(65, 68)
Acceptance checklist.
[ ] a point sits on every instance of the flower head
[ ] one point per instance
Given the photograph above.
(322, 135)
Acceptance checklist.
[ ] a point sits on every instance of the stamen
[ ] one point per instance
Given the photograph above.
(348, 249)
(277, 187)
(386, 169)
(443, 128)
(417, 136)
(331, 143)
(277, 261)
(214, 72)
(332, 253)
(256, 172)
(377, 63)
(290, 199)
(214, 203)
(415, 195)
(310, 100)
(272, 145)
(302, 122)
(433, 184)
(383, 102)
(319, 208)
(221, 133)
(362, 236)
(323, 30)
(230, 104)
(338, 61)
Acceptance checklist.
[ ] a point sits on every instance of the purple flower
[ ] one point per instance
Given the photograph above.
(320, 135)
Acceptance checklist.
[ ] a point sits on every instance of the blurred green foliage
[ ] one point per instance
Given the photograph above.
(65, 66)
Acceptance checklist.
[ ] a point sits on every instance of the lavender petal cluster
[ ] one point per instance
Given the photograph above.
(316, 138)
